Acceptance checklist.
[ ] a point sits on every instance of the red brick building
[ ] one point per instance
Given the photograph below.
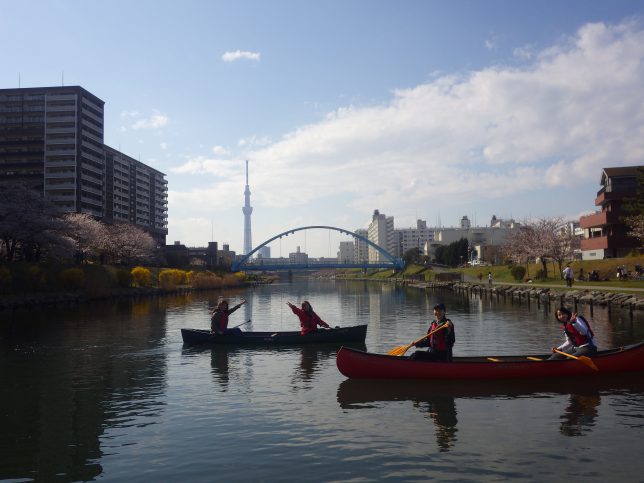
(604, 231)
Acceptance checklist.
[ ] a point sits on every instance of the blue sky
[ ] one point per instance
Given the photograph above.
(421, 109)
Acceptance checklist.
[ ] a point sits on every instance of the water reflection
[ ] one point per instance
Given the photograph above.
(580, 414)
(442, 411)
(438, 399)
(220, 365)
(74, 376)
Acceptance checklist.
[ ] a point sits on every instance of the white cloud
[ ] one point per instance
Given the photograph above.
(129, 114)
(253, 141)
(155, 121)
(489, 45)
(240, 54)
(524, 53)
(164, 145)
(501, 132)
(219, 150)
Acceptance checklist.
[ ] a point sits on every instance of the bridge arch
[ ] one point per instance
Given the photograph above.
(396, 262)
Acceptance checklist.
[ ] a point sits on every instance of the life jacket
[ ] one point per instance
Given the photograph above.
(442, 340)
(577, 338)
(308, 322)
(219, 320)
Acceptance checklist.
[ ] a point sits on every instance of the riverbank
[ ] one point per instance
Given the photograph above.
(591, 296)
(62, 299)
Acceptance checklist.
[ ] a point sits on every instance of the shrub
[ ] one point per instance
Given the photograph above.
(169, 278)
(518, 272)
(142, 277)
(123, 278)
(205, 280)
(73, 278)
(541, 275)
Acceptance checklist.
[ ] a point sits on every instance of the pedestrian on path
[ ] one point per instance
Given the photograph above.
(568, 275)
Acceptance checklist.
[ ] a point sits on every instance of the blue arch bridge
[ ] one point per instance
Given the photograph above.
(247, 262)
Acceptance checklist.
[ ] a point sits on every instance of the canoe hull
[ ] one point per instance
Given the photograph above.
(339, 335)
(364, 365)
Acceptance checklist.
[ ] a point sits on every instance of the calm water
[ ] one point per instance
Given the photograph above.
(109, 392)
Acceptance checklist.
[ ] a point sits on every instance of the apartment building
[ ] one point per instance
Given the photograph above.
(346, 252)
(52, 140)
(381, 232)
(136, 193)
(417, 238)
(604, 231)
(360, 247)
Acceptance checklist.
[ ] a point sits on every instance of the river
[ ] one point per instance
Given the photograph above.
(108, 392)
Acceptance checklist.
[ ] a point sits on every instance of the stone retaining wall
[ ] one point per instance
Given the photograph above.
(570, 298)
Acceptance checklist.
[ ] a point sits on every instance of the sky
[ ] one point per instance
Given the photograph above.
(428, 109)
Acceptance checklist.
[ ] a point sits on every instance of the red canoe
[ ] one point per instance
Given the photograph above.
(364, 365)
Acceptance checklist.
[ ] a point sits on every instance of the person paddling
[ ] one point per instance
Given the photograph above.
(441, 340)
(309, 320)
(219, 318)
(579, 336)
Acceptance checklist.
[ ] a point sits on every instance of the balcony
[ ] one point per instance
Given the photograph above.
(599, 219)
(606, 242)
(597, 243)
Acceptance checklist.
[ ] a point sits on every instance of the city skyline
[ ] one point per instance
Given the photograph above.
(423, 110)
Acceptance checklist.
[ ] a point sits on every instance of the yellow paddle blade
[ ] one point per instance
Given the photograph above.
(583, 359)
(399, 351)
(589, 362)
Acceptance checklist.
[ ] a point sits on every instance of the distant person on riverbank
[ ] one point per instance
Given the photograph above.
(568, 275)
(439, 344)
(581, 275)
(489, 278)
(579, 336)
(309, 320)
(480, 276)
(219, 318)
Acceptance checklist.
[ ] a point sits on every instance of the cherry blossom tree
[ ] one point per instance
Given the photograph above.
(128, 243)
(543, 239)
(89, 236)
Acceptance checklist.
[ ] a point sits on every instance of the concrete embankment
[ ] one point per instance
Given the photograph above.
(540, 295)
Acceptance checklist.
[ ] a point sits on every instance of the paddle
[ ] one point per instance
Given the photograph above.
(583, 359)
(400, 350)
(243, 323)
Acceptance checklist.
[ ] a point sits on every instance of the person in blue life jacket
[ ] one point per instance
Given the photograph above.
(219, 319)
(578, 334)
(439, 344)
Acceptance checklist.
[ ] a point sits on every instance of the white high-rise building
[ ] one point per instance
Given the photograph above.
(346, 252)
(360, 247)
(381, 232)
(418, 237)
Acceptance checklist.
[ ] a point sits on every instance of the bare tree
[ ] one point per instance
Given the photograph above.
(28, 223)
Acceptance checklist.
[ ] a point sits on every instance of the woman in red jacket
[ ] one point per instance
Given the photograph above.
(309, 320)
(219, 319)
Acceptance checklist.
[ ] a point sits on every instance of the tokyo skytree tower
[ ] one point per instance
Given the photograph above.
(247, 209)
